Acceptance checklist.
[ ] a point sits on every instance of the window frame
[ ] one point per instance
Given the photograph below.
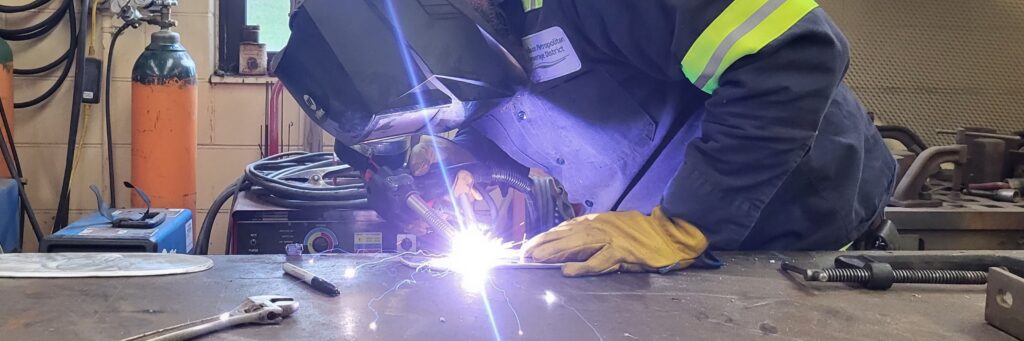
(232, 19)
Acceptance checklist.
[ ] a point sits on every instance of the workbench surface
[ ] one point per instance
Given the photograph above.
(748, 298)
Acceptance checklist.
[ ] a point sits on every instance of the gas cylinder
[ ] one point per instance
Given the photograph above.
(7, 95)
(165, 102)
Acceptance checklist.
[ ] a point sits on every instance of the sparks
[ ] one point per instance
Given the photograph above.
(550, 297)
(473, 254)
(350, 273)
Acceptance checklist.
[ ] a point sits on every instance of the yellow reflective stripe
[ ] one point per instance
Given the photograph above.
(530, 5)
(742, 29)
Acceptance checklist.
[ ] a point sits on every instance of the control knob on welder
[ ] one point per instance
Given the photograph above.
(320, 244)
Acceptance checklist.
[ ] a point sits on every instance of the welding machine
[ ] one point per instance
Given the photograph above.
(95, 233)
(258, 227)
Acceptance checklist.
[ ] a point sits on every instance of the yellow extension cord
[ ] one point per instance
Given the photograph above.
(88, 107)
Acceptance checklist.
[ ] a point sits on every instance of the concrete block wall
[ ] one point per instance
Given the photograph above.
(230, 117)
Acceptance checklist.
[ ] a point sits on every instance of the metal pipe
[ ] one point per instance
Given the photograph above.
(927, 162)
(1003, 195)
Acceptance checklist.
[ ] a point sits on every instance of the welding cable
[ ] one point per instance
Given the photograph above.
(203, 239)
(276, 180)
(67, 55)
(26, 205)
(23, 8)
(273, 173)
(107, 116)
(41, 28)
(523, 184)
(73, 32)
(61, 218)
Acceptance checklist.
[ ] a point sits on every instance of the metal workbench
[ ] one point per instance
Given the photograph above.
(747, 299)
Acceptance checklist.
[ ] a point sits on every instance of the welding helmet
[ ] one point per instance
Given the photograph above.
(367, 70)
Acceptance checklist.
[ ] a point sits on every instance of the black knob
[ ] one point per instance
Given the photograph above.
(320, 244)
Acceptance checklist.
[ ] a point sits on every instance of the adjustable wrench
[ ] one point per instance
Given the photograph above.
(255, 310)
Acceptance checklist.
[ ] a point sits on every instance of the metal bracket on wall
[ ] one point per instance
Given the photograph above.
(1004, 303)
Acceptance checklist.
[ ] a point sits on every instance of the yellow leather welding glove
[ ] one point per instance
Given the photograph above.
(602, 243)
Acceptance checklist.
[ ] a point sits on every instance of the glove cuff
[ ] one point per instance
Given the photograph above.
(687, 237)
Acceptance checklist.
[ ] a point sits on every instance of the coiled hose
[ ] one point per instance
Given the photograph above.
(523, 184)
(319, 180)
(291, 180)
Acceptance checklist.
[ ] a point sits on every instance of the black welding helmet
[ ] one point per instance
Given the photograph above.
(367, 70)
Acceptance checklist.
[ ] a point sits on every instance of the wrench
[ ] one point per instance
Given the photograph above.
(268, 309)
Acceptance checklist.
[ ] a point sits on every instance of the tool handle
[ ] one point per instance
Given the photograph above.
(191, 330)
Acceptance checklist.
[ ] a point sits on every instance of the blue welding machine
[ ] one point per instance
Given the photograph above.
(95, 233)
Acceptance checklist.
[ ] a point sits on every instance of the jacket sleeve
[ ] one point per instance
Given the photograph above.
(762, 110)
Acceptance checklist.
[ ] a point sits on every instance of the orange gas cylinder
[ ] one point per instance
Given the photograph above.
(164, 108)
(7, 95)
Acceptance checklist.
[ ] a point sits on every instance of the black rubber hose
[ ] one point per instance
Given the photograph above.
(203, 240)
(234, 201)
(268, 172)
(42, 27)
(63, 204)
(59, 61)
(106, 104)
(26, 205)
(22, 8)
(73, 33)
(524, 185)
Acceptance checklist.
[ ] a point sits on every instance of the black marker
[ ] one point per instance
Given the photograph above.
(318, 283)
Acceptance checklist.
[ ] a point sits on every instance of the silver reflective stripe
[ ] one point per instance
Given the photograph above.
(732, 38)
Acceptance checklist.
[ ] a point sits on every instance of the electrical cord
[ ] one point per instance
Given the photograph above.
(107, 116)
(60, 60)
(68, 63)
(26, 205)
(61, 218)
(203, 240)
(41, 28)
(22, 8)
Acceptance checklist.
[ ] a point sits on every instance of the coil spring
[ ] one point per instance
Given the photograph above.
(941, 276)
(909, 276)
(846, 275)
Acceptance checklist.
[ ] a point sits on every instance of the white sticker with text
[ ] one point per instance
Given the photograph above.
(551, 55)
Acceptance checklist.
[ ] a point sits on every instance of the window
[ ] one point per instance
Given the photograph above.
(270, 15)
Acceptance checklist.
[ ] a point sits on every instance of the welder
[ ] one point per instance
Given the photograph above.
(680, 126)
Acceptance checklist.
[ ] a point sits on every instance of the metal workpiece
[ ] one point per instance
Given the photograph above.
(1001, 195)
(965, 135)
(746, 299)
(908, 191)
(986, 158)
(905, 136)
(1004, 303)
(962, 222)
